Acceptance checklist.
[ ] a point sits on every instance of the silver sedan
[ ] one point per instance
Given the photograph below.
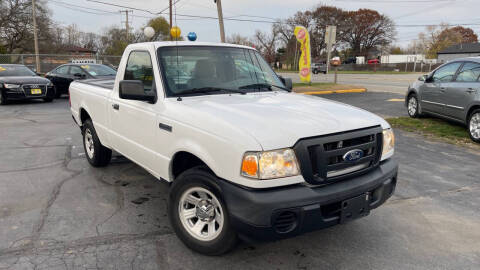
(452, 91)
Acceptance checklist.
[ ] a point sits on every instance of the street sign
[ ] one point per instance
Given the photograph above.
(330, 34)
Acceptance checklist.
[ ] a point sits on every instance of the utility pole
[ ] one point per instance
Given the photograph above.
(170, 11)
(220, 20)
(330, 36)
(127, 26)
(35, 37)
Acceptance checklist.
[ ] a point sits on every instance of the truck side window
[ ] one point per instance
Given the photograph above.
(139, 67)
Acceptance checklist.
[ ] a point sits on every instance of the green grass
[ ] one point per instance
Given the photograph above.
(431, 127)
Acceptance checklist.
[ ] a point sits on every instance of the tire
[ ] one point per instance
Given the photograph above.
(48, 99)
(315, 71)
(412, 106)
(97, 154)
(58, 94)
(198, 184)
(473, 125)
(3, 98)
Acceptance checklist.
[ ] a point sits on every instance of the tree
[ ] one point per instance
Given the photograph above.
(396, 50)
(16, 26)
(368, 29)
(435, 39)
(465, 35)
(113, 41)
(266, 44)
(240, 40)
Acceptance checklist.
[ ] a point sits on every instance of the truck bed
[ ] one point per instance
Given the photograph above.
(103, 83)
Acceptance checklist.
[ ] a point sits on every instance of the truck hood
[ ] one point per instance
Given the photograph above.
(24, 80)
(278, 120)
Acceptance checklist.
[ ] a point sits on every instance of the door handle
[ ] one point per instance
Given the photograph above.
(116, 106)
(471, 90)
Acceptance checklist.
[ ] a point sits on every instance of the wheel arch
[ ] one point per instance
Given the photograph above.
(471, 109)
(84, 115)
(184, 160)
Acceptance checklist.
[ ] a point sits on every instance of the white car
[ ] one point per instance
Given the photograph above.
(245, 156)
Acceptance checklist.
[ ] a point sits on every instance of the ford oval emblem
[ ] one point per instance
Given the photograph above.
(353, 155)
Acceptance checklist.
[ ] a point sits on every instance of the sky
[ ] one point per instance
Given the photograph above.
(98, 16)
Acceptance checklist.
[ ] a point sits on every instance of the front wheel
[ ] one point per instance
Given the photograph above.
(199, 215)
(97, 154)
(474, 125)
(412, 106)
(3, 98)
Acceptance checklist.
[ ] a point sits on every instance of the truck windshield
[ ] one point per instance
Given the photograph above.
(207, 70)
(8, 70)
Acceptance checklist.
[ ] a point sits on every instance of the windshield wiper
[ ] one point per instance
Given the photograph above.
(264, 86)
(206, 90)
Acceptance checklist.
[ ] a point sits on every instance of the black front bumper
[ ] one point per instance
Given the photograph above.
(255, 213)
(19, 94)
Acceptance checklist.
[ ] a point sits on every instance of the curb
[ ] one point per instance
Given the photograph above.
(357, 90)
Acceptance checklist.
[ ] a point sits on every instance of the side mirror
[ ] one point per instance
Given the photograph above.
(134, 90)
(423, 78)
(287, 82)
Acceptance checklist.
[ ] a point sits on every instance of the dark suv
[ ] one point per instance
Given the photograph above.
(451, 91)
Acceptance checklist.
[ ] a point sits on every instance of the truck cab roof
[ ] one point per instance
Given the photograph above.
(158, 44)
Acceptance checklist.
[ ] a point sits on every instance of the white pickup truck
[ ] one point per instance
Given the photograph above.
(246, 157)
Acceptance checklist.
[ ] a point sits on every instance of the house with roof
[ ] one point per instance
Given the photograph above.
(79, 51)
(458, 51)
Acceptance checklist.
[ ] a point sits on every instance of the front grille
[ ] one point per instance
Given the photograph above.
(322, 158)
(27, 88)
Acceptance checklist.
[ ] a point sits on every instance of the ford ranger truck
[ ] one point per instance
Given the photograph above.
(245, 157)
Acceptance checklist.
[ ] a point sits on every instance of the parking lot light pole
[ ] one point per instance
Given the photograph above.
(35, 37)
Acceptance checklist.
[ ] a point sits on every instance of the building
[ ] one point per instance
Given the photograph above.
(79, 51)
(458, 51)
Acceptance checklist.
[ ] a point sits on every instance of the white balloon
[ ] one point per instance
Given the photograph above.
(149, 32)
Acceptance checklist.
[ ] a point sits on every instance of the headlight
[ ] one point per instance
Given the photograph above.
(11, 86)
(388, 143)
(270, 164)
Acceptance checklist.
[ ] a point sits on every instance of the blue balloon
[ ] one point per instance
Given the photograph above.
(192, 36)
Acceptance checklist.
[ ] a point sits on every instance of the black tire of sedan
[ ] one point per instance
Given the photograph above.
(474, 125)
(412, 106)
(3, 99)
(97, 154)
(198, 213)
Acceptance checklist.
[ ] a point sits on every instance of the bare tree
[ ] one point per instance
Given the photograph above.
(266, 44)
(240, 40)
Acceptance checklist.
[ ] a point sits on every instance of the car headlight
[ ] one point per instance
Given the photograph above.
(388, 143)
(270, 164)
(11, 85)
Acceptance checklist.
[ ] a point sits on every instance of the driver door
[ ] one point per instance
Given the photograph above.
(133, 122)
(433, 90)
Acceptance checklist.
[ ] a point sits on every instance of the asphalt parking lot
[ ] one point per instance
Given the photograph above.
(57, 212)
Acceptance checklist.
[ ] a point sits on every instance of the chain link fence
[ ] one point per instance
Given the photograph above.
(51, 61)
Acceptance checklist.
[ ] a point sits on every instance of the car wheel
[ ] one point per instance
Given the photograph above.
(58, 94)
(412, 106)
(97, 154)
(198, 213)
(474, 125)
(3, 98)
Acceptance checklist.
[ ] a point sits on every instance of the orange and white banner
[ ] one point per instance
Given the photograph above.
(304, 62)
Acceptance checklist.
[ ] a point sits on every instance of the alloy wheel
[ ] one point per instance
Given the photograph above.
(201, 214)
(412, 105)
(89, 144)
(474, 126)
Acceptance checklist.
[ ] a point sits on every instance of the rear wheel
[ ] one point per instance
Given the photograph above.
(97, 154)
(474, 125)
(198, 214)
